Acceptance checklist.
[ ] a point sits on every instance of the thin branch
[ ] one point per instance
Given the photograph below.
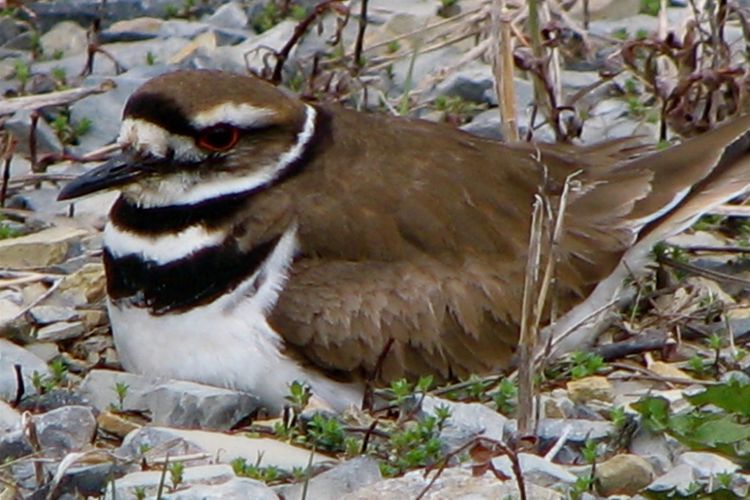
(358, 62)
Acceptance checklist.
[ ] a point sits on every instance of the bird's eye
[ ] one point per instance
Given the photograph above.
(218, 138)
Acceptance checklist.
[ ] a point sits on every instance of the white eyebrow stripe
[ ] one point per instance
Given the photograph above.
(240, 115)
(149, 137)
(162, 248)
(212, 189)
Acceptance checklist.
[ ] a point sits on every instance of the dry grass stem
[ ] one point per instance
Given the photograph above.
(503, 69)
(34, 102)
(527, 338)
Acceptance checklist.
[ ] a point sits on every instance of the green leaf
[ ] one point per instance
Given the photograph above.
(721, 431)
(733, 397)
(655, 412)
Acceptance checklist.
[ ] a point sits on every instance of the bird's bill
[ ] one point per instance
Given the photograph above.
(115, 172)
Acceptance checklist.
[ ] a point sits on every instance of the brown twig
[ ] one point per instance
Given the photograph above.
(699, 271)
(7, 158)
(299, 31)
(29, 430)
(485, 454)
(32, 140)
(358, 62)
(20, 386)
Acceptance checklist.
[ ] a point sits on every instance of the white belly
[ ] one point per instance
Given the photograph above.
(226, 343)
(209, 346)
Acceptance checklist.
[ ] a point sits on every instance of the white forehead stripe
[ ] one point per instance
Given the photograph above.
(148, 137)
(240, 115)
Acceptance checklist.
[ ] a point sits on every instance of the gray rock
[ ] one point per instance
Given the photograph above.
(47, 351)
(424, 65)
(218, 447)
(88, 480)
(466, 421)
(84, 12)
(230, 15)
(345, 478)
(679, 478)
(70, 428)
(66, 38)
(624, 474)
(485, 124)
(10, 418)
(535, 469)
(655, 448)
(44, 314)
(62, 330)
(706, 465)
(42, 201)
(471, 83)
(170, 402)
(183, 29)
(44, 248)
(187, 404)
(454, 483)
(10, 28)
(99, 388)
(580, 430)
(237, 488)
(105, 110)
(46, 139)
(11, 354)
(13, 444)
(148, 481)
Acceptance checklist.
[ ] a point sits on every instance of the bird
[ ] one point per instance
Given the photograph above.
(259, 239)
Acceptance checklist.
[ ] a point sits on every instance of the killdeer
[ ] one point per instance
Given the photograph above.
(259, 239)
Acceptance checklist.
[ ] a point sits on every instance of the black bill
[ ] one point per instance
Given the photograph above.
(115, 172)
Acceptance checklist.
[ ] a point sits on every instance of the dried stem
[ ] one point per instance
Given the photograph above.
(527, 340)
(502, 68)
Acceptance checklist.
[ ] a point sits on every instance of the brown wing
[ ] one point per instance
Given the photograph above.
(426, 249)
(421, 249)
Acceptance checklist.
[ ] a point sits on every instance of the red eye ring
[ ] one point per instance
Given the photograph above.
(218, 138)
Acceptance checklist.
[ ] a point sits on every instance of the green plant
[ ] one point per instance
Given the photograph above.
(150, 58)
(60, 76)
(299, 396)
(139, 492)
(723, 426)
(176, 474)
(297, 12)
(584, 364)
(620, 34)
(255, 471)
(7, 231)
(267, 18)
(415, 445)
(121, 390)
(392, 47)
(402, 393)
(325, 433)
(618, 417)
(23, 73)
(58, 371)
(70, 133)
(650, 7)
(506, 396)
